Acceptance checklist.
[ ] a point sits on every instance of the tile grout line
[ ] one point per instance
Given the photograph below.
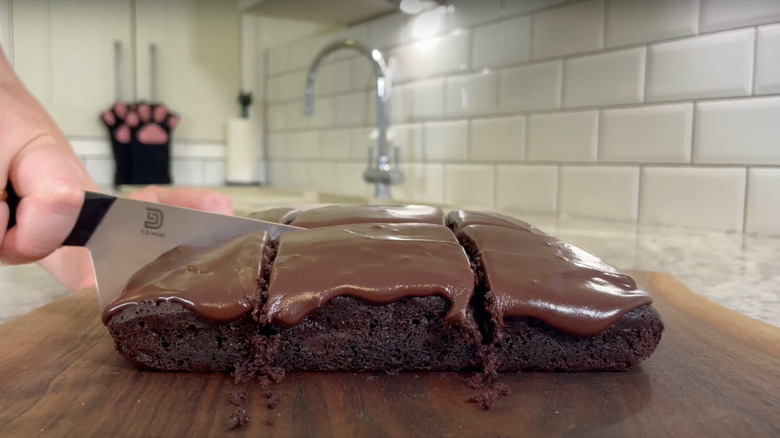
(745, 200)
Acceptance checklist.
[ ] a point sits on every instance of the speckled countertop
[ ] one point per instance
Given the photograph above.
(737, 271)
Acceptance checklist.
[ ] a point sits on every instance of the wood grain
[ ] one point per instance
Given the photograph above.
(716, 373)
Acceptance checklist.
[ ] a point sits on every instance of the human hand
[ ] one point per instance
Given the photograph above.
(45, 172)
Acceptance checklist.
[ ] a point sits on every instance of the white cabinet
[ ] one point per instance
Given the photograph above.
(198, 66)
(64, 52)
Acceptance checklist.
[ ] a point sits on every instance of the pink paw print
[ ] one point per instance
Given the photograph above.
(154, 124)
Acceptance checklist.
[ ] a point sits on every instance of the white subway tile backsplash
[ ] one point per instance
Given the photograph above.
(727, 14)
(498, 139)
(563, 137)
(335, 144)
(360, 139)
(427, 99)
(303, 144)
(388, 31)
(214, 173)
(291, 86)
(295, 116)
(422, 183)
(717, 65)
(502, 43)
(606, 79)
(323, 176)
(472, 94)
(570, 29)
(703, 197)
(277, 145)
(531, 87)
(276, 115)
(744, 131)
(639, 21)
(467, 13)
(409, 140)
(432, 56)
(653, 134)
(768, 60)
(349, 179)
(356, 109)
(448, 89)
(515, 7)
(469, 185)
(331, 78)
(324, 113)
(298, 175)
(527, 188)
(446, 141)
(599, 192)
(763, 203)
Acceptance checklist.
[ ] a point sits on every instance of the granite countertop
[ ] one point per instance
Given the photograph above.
(737, 271)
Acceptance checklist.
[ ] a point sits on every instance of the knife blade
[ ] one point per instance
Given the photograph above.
(123, 235)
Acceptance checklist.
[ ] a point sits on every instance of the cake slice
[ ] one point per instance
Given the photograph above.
(372, 297)
(550, 306)
(191, 309)
(457, 219)
(360, 214)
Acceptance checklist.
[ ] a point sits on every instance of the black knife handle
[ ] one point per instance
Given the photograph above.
(93, 211)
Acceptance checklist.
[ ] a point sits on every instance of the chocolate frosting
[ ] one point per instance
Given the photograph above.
(360, 214)
(379, 263)
(457, 219)
(218, 281)
(280, 215)
(539, 276)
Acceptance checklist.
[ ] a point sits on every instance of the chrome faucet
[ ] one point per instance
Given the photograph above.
(379, 172)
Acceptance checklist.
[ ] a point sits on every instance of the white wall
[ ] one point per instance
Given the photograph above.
(6, 30)
(656, 112)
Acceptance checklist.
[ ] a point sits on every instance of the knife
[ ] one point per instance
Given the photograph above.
(123, 235)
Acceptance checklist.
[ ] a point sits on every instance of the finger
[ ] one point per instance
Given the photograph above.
(49, 182)
(187, 197)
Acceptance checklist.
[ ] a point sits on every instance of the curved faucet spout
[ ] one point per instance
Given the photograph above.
(377, 61)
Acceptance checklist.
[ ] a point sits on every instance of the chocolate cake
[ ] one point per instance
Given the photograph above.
(373, 297)
(385, 296)
(191, 309)
(280, 215)
(361, 214)
(457, 219)
(554, 307)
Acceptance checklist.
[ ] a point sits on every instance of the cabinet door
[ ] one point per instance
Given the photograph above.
(64, 53)
(198, 67)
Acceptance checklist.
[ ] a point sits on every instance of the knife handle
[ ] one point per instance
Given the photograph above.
(95, 207)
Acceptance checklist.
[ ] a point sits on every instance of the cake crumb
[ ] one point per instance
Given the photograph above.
(273, 401)
(238, 418)
(237, 396)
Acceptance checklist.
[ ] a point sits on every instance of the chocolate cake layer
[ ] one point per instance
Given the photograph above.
(280, 215)
(377, 263)
(554, 307)
(373, 297)
(361, 214)
(219, 282)
(457, 219)
(169, 336)
(539, 276)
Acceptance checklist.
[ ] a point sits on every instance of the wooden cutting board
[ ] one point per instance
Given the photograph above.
(715, 373)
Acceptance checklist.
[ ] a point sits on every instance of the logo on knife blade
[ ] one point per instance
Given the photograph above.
(154, 219)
